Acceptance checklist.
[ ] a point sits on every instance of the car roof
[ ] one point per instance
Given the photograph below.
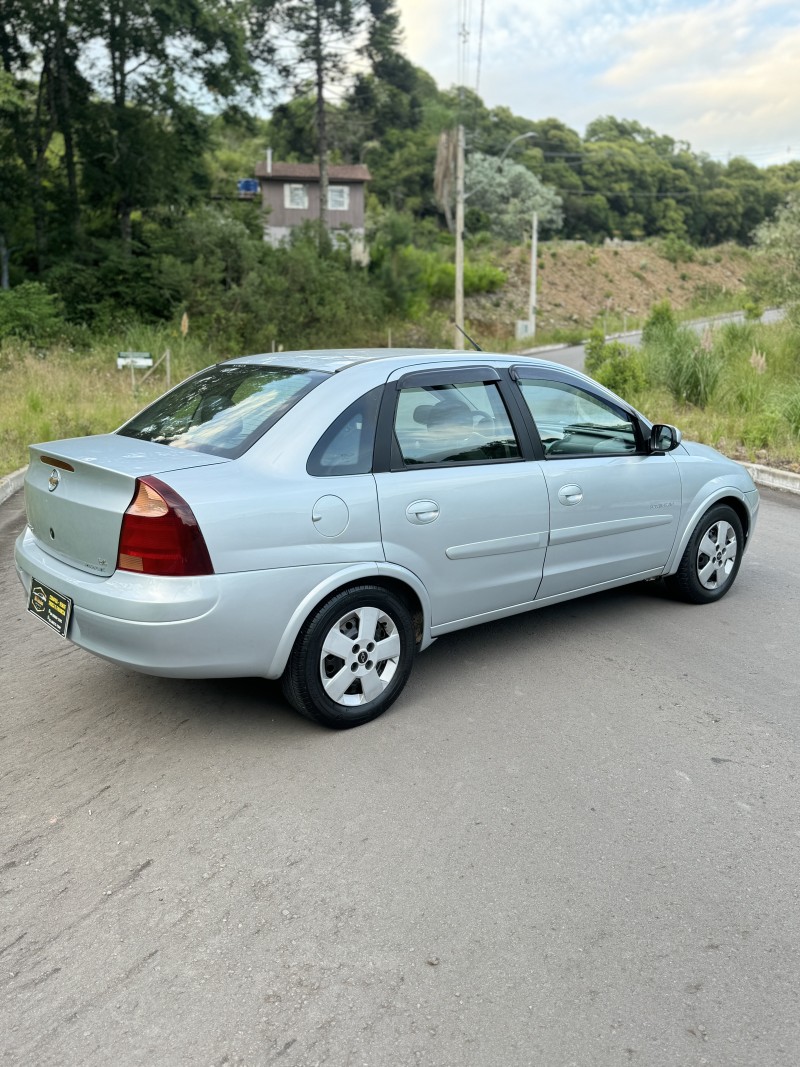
(333, 360)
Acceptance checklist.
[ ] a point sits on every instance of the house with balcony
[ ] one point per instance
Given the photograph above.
(290, 196)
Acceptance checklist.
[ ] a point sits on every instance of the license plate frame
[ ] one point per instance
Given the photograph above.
(53, 608)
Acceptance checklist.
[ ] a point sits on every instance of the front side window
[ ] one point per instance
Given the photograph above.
(338, 197)
(459, 423)
(295, 196)
(222, 410)
(572, 421)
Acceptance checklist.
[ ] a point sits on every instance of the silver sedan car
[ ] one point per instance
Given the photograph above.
(321, 517)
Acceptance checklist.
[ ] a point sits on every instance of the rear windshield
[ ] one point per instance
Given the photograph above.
(224, 409)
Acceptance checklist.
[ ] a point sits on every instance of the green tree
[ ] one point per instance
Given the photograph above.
(778, 243)
(153, 51)
(324, 38)
(508, 194)
(14, 221)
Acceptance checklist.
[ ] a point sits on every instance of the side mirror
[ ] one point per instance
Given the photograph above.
(663, 437)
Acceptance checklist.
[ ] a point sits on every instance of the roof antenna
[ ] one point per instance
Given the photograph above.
(476, 346)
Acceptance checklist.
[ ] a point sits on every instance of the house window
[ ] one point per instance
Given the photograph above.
(295, 196)
(338, 197)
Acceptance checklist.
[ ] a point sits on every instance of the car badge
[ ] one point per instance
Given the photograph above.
(53, 480)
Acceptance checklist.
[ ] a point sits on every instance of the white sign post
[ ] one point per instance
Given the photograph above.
(144, 361)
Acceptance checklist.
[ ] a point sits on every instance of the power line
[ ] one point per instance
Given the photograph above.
(480, 50)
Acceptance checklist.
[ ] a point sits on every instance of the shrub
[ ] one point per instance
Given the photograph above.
(790, 409)
(615, 365)
(621, 371)
(660, 322)
(31, 312)
(693, 371)
(676, 250)
(747, 391)
(594, 351)
(760, 430)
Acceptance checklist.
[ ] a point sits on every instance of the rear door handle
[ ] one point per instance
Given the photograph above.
(570, 494)
(422, 512)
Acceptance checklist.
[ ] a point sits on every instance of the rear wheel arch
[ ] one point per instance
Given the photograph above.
(406, 593)
(414, 599)
(353, 654)
(392, 585)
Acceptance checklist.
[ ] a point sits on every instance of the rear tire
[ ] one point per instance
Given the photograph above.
(711, 560)
(352, 658)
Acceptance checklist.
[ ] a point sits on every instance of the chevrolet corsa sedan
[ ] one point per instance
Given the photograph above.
(321, 517)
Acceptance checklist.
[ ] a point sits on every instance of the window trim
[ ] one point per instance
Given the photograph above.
(345, 189)
(288, 187)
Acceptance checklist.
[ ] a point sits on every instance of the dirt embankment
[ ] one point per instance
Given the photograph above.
(579, 283)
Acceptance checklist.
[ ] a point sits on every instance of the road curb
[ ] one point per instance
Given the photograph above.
(772, 478)
(11, 483)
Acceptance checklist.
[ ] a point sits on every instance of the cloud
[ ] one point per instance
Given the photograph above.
(723, 76)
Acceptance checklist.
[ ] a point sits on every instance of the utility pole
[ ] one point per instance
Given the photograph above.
(534, 257)
(459, 337)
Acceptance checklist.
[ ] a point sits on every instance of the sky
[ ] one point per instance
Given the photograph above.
(723, 75)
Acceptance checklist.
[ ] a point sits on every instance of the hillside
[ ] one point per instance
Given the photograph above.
(579, 283)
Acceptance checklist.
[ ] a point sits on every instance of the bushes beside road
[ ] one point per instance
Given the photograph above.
(735, 386)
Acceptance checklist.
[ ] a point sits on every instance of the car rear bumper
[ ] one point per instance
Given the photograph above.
(214, 626)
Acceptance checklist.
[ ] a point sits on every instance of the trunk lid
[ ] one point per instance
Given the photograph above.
(77, 490)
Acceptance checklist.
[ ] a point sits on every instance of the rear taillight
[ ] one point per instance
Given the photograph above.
(160, 534)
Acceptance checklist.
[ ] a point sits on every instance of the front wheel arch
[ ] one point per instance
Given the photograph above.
(698, 510)
(712, 556)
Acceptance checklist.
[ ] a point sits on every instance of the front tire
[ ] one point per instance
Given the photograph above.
(352, 658)
(711, 560)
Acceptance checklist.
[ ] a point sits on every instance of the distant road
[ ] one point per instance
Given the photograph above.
(573, 355)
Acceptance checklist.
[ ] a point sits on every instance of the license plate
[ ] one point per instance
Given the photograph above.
(51, 607)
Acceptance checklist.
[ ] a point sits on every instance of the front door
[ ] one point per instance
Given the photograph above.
(614, 506)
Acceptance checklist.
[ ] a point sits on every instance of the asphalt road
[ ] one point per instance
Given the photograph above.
(574, 840)
(574, 355)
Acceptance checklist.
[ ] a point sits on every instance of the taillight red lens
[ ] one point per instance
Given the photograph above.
(160, 534)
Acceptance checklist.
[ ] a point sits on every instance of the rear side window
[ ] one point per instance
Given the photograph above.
(346, 446)
(453, 423)
(224, 409)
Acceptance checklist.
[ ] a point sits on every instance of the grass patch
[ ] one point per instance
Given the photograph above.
(735, 387)
(61, 392)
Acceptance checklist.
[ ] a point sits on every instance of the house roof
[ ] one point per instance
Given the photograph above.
(281, 172)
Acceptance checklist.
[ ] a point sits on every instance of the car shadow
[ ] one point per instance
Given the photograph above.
(256, 707)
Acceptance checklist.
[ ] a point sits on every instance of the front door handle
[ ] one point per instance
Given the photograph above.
(570, 494)
(422, 512)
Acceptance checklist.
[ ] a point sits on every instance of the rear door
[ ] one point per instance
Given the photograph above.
(462, 504)
(614, 505)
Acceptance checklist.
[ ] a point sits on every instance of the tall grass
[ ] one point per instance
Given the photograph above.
(736, 387)
(64, 392)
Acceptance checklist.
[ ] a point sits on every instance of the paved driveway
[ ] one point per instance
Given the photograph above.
(574, 840)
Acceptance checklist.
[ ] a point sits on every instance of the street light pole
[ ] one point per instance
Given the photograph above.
(534, 257)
